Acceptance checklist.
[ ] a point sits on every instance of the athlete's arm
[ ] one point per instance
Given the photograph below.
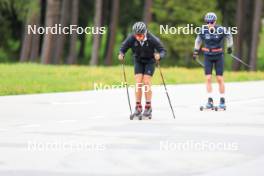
(229, 43)
(159, 47)
(229, 40)
(197, 46)
(198, 43)
(126, 44)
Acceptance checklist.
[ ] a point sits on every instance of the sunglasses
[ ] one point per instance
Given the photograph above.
(210, 22)
(139, 35)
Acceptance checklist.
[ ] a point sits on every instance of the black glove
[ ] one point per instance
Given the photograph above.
(229, 50)
(195, 54)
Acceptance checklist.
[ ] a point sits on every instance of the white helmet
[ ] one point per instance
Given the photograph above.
(210, 17)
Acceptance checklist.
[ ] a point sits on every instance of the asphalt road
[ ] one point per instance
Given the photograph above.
(89, 133)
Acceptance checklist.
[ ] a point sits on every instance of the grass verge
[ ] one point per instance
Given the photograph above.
(33, 78)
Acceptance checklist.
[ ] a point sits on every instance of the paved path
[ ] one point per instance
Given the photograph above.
(89, 133)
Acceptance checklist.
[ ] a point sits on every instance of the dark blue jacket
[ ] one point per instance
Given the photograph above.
(146, 52)
(214, 40)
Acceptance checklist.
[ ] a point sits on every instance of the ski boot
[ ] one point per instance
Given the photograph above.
(137, 113)
(208, 106)
(222, 105)
(147, 114)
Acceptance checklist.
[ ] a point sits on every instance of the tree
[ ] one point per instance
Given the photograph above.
(27, 42)
(147, 11)
(31, 42)
(72, 57)
(113, 26)
(96, 39)
(34, 55)
(85, 17)
(255, 34)
(51, 18)
(61, 39)
(239, 40)
(243, 39)
(177, 14)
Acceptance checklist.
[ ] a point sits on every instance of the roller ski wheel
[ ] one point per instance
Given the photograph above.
(147, 117)
(208, 106)
(205, 108)
(216, 108)
(133, 116)
(147, 113)
(136, 114)
(221, 106)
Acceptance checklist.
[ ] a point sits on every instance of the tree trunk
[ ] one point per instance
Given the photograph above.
(82, 45)
(72, 57)
(255, 34)
(26, 45)
(147, 11)
(52, 16)
(106, 21)
(239, 37)
(113, 26)
(248, 28)
(30, 45)
(96, 39)
(34, 55)
(60, 42)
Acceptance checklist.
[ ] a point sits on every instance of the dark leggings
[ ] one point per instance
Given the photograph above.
(214, 61)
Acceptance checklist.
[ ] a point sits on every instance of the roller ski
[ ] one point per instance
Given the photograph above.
(221, 106)
(137, 114)
(208, 106)
(147, 114)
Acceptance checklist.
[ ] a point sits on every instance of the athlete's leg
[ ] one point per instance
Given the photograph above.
(219, 67)
(147, 87)
(221, 84)
(209, 87)
(208, 67)
(139, 72)
(148, 72)
(138, 87)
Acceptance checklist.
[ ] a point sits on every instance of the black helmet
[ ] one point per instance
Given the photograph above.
(139, 28)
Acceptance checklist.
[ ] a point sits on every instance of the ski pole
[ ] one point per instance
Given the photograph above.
(125, 79)
(239, 60)
(199, 62)
(158, 64)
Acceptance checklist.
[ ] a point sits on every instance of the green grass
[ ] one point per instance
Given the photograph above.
(33, 78)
